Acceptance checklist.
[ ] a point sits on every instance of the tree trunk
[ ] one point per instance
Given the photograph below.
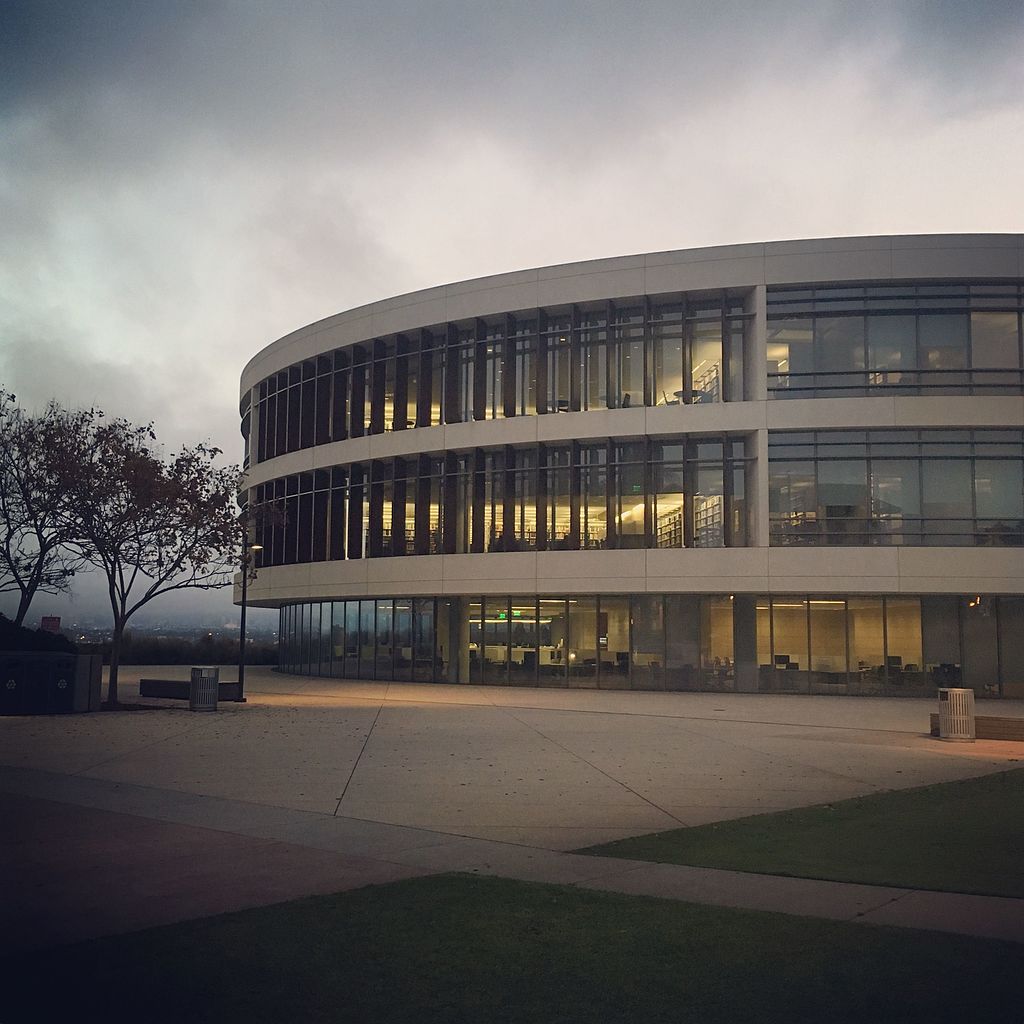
(30, 587)
(115, 661)
(23, 604)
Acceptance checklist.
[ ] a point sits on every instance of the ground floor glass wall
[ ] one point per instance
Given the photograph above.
(893, 645)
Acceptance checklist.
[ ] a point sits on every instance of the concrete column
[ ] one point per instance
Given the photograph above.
(460, 636)
(254, 426)
(744, 627)
(757, 446)
(757, 391)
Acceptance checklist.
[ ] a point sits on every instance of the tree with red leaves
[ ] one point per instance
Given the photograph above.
(151, 524)
(39, 457)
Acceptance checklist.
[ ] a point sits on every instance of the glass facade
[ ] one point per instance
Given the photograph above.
(908, 338)
(892, 645)
(678, 492)
(911, 338)
(907, 487)
(642, 642)
(652, 350)
(685, 479)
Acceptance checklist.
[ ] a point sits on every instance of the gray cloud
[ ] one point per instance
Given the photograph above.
(265, 74)
(182, 182)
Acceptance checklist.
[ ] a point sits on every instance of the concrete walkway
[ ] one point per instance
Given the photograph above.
(318, 786)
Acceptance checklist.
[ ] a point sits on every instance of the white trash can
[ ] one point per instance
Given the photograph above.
(204, 689)
(956, 714)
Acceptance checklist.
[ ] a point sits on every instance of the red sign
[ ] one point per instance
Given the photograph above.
(50, 623)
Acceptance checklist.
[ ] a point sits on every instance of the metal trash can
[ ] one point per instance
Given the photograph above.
(203, 689)
(956, 714)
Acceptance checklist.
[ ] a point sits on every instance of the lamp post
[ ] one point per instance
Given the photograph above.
(246, 549)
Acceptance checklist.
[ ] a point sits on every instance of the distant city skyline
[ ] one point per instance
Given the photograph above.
(182, 183)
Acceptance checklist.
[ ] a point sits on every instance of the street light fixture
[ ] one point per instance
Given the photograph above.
(246, 549)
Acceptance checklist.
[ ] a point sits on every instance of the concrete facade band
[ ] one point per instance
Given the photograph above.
(785, 466)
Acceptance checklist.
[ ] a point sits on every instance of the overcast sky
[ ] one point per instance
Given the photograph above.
(183, 182)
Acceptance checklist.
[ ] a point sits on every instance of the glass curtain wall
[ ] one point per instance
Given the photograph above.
(610, 494)
(857, 645)
(863, 644)
(651, 350)
(909, 338)
(929, 487)
(550, 641)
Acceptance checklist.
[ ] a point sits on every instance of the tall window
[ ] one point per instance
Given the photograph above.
(407, 383)
(592, 473)
(668, 495)
(461, 512)
(523, 342)
(627, 370)
(495, 483)
(521, 530)
(491, 352)
(629, 496)
(707, 383)
(431, 397)
(593, 357)
(461, 358)
(555, 338)
(403, 511)
(668, 352)
(556, 497)
(359, 390)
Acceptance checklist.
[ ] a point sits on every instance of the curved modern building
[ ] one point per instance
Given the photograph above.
(785, 467)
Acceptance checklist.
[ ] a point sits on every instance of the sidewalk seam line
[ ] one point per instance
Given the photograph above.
(143, 746)
(355, 764)
(600, 771)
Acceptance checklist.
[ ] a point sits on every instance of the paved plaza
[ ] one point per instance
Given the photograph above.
(321, 785)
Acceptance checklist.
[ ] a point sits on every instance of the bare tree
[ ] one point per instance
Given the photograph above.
(153, 525)
(39, 458)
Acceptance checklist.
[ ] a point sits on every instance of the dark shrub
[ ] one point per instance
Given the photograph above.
(19, 638)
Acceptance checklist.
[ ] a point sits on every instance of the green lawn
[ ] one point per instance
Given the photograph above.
(466, 948)
(956, 836)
